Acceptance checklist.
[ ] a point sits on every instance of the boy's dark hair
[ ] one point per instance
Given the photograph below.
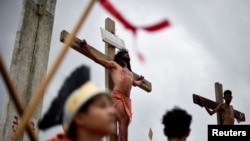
(54, 114)
(227, 92)
(120, 59)
(176, 122)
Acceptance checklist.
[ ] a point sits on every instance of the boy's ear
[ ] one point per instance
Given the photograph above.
(79, 118)
(164, 131)
(188, 132)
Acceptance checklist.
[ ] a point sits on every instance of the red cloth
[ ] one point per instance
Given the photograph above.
(112, 10)
(118, 97)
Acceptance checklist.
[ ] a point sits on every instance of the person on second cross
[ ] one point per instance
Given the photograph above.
(225, 109)
(123, 80)
(176, 124)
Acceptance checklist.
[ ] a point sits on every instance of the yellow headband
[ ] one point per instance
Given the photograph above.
(78, 98)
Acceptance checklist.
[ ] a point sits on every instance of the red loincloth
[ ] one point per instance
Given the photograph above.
(118, 97)
(60, 137)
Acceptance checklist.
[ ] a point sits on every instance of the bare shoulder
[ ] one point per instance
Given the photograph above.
(113, 64)
(221, 105)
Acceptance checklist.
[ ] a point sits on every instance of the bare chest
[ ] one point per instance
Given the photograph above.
(228, 109)
(125, 75)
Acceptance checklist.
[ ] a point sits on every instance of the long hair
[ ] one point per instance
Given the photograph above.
(120, 59)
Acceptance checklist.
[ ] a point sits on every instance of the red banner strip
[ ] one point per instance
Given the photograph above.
(112, 10)
(158, 26)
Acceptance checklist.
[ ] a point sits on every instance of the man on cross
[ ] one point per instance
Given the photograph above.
(225, 109)
(123, 81)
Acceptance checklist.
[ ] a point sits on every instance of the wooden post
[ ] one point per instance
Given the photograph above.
(110, 52)
(29, 62)
(14, 96)
(150, 134)
(219, 99)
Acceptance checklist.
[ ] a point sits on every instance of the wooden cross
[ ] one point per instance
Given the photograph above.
(211, 104)
(109, 54)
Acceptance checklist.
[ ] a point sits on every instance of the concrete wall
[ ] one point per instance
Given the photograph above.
(29, 61)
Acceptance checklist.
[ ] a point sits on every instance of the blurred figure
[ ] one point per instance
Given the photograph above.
(225, 109)
(176, 124)
(87, 111)
(89, 114)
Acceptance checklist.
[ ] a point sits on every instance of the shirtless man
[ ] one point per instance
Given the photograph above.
(123, 81)
(226, 110)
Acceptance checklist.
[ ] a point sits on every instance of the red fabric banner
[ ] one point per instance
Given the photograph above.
(112, 10)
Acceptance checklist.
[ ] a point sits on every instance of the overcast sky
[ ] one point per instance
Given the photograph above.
(207, 42)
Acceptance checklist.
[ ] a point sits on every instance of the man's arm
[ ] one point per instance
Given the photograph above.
(211, 112)
(138, 81)
(103, 62)
(239, 117)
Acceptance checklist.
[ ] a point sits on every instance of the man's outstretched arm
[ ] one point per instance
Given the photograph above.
(138, 81)
(103, 62)
(239, 117)
(210, 112)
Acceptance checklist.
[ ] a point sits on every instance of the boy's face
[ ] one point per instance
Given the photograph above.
(100, 116)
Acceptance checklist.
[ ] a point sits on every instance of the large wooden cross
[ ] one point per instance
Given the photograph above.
(211, 104)
(109, 54)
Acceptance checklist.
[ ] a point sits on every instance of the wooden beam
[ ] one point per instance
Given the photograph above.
(110, 52)
(219, 99)
(146, 85)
